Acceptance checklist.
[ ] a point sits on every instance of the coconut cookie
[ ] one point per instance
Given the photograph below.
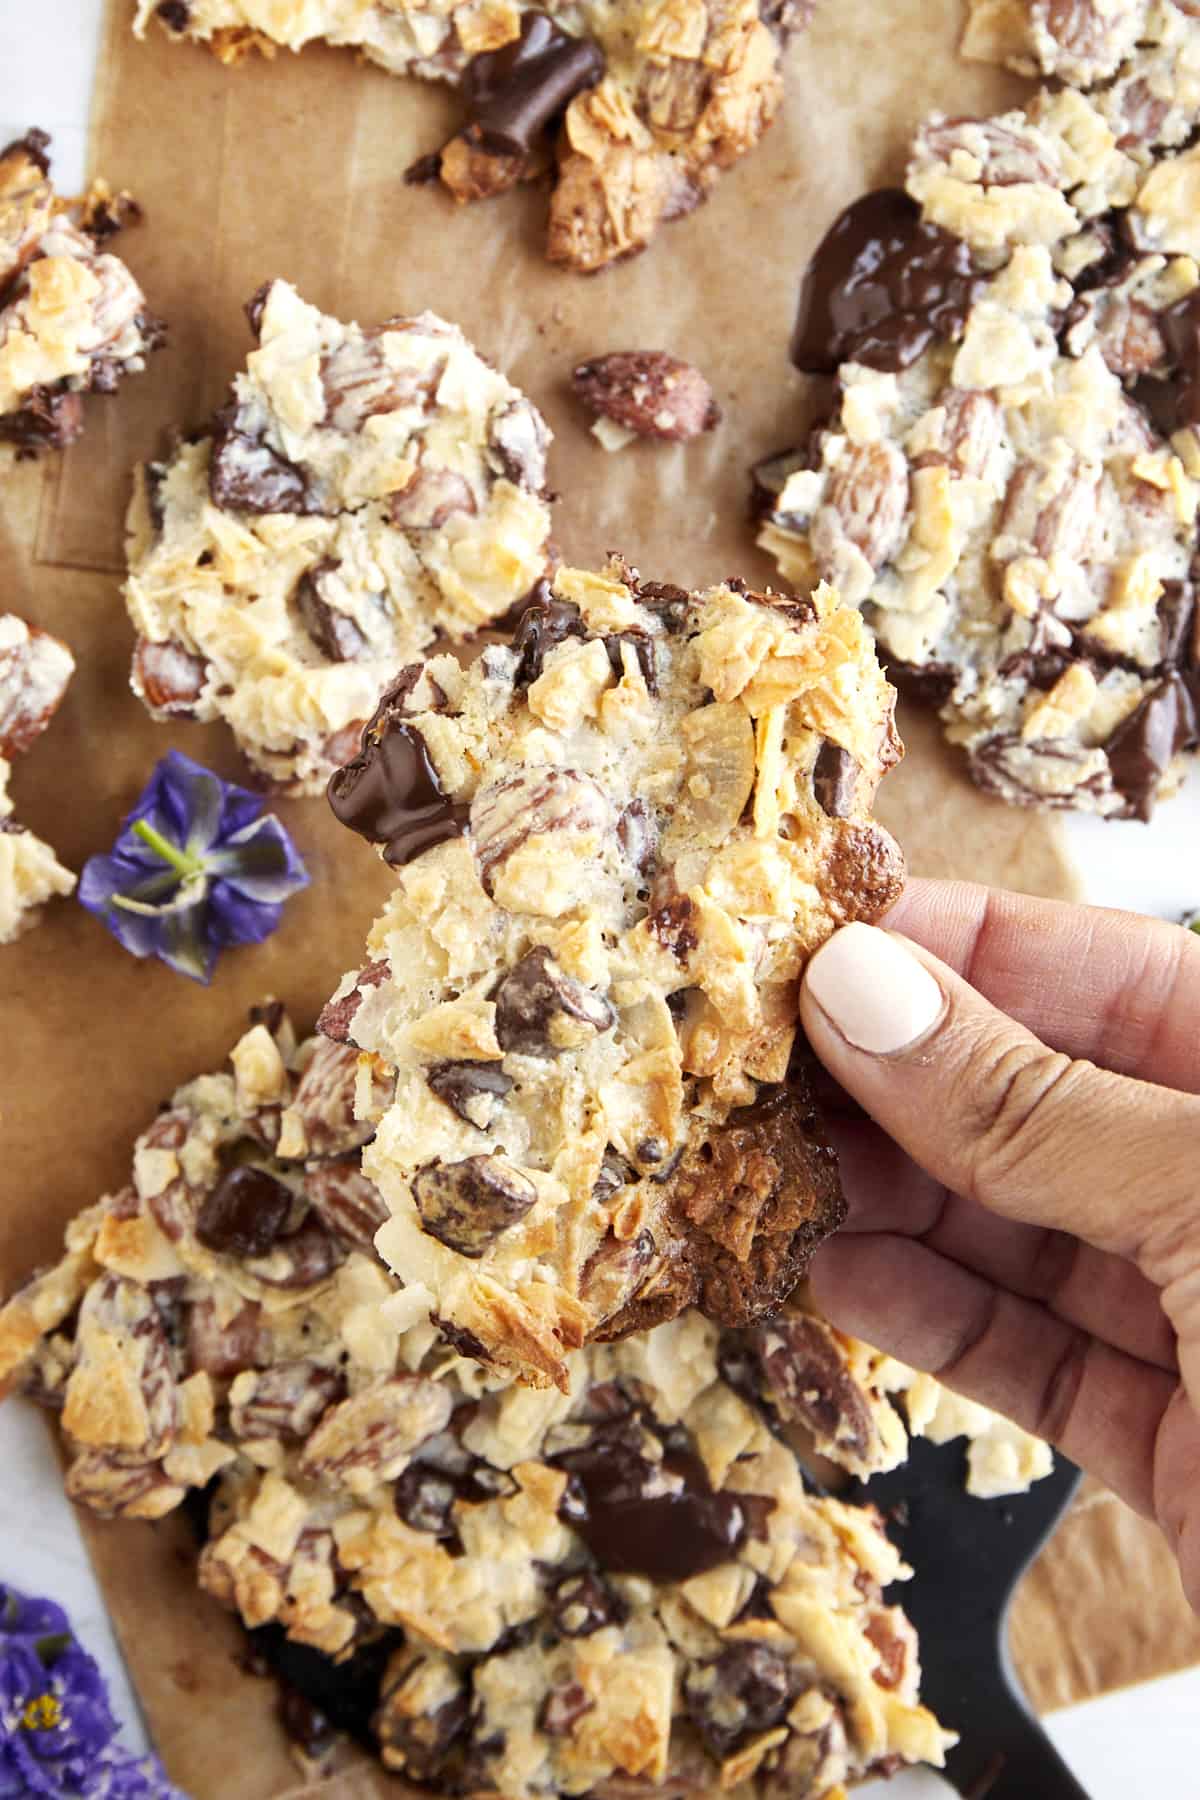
(35, 669)
(550, 1591)
(1007, 481)
(362, 490)
(638, 105)
(72, 318)
(616, 841)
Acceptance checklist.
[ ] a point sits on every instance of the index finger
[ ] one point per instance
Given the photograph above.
(1111, 987)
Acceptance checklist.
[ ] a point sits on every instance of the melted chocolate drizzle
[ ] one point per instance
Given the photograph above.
(881, 285)
(517, 91)
(391, 795)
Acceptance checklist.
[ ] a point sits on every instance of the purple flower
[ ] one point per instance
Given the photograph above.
(57, 1730)
(197, 868)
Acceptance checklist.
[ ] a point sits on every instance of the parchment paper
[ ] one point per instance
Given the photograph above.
(292, 168)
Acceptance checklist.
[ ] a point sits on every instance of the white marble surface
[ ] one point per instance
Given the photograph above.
(1129, 1746)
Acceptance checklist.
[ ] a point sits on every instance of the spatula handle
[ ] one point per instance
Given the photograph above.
(1021, 1762)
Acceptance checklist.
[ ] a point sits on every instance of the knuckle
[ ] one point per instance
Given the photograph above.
(1059, 1394)
(1020, 1089)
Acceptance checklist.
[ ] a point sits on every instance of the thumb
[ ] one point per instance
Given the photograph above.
(992, 1113)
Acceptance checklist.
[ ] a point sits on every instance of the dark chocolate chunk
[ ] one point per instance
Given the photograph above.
(807, 1383)
(467, 1205)
(460, 1339)
(418, 1741)
(425, 170)
(642, 646)
(666, 601)
(515, 92)
(174, 14)
(1177, 618)
(48, 419)
(581, 1604)
(246, 475)
(303, 1721)
(390, 793)
(300, 1259)
(745, 1691)
(544, 622)
(244, 1214)
(562, 1709)
(333, 632)
(423, 1498)
(880, 286)
(1144, 745)
(256, 305)
(1180, 396)
(458, 1083)
(648, 1518)
(637, 834)
(536, 1002)
(672, 925)
(835, 777)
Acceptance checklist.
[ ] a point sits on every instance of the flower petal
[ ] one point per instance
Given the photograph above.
(261, 862)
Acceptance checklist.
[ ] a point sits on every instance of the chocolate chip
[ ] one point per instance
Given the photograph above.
(835, 777)
(391, 793)
(174, 14)
(47, 419)
(244, 1214)
(515, 92)
(413, 1737)
(542, 1011)
(469, 1088)
(746, 1690)
(1144, 745)
(424, 170)
(333, 632)
(544, 622)
(246, 475)
(460, 1339)
(562, 1709)
(647, 1518)
(301, 1259)
(672, 925)
(257, 303)
(302, 1720)
(642, 645)
(467, 1205)
(423, 1497)
(881, 285)
(1180, 328)
(581, 1604)
(666, 601)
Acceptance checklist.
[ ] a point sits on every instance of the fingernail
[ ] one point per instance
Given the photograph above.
(872, 988)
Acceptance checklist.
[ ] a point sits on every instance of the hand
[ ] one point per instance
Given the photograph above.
(1025, 1224)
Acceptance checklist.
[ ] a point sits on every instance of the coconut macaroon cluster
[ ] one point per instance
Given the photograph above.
(363, 490)
(637, 106)
(551, 1590)
(1007, 482)
(616, 840)
(35, 669)
(72, 318)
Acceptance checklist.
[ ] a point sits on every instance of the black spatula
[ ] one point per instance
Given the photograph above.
(968, 1555)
